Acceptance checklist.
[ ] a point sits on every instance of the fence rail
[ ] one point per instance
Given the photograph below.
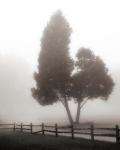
(57, 130)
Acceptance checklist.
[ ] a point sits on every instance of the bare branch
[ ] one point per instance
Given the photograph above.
(62, 100)
(84, 102)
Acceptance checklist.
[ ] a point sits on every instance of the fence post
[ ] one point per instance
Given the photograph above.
(43, 132)
(117, 133)
(14, 127)
(31, 128)
(92, 133)
(72, 131)
(56, 130)
(21, 127)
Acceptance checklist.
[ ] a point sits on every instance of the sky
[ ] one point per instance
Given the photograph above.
(95, 25)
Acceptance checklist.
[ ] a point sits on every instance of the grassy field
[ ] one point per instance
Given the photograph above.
(26, 141)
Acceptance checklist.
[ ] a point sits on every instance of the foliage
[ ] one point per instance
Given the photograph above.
(91, 79)
(55, 64)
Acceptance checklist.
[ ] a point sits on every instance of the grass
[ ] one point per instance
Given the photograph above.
(26, 141)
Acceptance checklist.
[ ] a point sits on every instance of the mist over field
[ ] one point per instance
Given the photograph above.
(17, 104)
(94, 24)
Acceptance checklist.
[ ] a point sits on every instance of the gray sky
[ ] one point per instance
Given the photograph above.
(95, 25)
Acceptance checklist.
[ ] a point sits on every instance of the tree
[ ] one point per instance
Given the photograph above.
(91, 79)
(55, 80)
(55, 65)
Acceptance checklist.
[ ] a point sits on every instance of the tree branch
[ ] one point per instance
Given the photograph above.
(63, 101)
(83, 103)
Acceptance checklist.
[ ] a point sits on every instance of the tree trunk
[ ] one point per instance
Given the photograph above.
(80, 105)
(68, 111)
(78, 112)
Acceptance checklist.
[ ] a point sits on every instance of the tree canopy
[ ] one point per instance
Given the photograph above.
(92, 79)
(55, 64)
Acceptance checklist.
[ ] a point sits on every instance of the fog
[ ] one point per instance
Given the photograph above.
(95, 25)
(17, 104)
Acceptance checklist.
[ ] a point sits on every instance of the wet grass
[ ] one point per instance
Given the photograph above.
(26, 141)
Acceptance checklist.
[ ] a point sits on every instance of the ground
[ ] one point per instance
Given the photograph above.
(27, 141)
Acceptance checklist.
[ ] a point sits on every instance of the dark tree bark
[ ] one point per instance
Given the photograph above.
(68, 111)
(78, 112)
(81, 103)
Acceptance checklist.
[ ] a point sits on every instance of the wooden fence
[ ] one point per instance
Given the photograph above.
(71, 130)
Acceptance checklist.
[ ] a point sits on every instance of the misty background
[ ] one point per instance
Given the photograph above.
(95, 25)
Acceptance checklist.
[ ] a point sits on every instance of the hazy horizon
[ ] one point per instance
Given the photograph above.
(17, 104)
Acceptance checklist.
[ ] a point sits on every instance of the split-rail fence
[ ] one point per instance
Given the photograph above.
(70, 131)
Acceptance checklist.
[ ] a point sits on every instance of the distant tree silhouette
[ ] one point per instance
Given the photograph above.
(91, 79)
(55, 64)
